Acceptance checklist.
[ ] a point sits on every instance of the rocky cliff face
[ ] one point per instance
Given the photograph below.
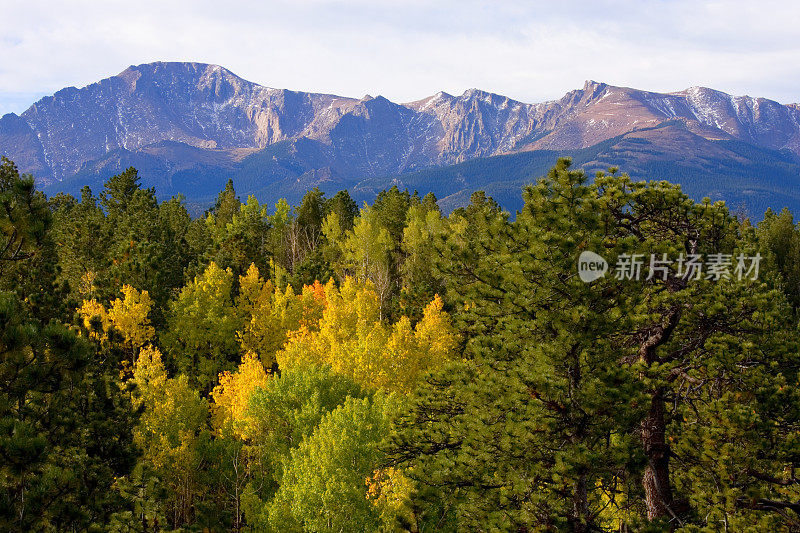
(204, 106)
(211, 109)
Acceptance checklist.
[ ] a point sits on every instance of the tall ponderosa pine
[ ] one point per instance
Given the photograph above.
(65, 426)
(123, 237)
(573, 397)
(779, 234)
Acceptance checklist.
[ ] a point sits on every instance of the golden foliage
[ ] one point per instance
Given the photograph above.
(232, 394)
(91, 309)
(389, 488)
(270, 313)
(86, 285)
(354, 341)
(128, 315)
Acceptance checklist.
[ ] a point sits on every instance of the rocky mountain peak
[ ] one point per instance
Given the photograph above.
(594, 87)
(208, 107)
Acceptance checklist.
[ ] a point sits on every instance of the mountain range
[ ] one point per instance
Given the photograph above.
(188, 127)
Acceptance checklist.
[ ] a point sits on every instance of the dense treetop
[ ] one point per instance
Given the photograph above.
(325, 367)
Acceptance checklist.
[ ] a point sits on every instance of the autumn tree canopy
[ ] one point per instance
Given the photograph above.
(316, 366)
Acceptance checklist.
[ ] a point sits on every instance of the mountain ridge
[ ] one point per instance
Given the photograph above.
(222, 119)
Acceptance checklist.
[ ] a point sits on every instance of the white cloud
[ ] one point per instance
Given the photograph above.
(410, 49)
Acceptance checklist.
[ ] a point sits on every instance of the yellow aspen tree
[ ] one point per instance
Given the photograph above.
(261, 325)
(171, 431)
(130, 316)
(149, 374)
(88, 311)
(270, 313)
(232, 395)
(401, 361)
(390, 490)
(254, 292)
(435, 332)
(354, 341)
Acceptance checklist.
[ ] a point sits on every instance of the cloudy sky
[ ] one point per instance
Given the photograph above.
(406, 50)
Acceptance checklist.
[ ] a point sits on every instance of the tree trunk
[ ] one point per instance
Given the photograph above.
(657, 488)
(580, 495)
(580, 506)
(655, 481)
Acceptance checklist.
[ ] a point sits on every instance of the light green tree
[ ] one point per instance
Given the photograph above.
(202, 326)
(366, 251)
(280, 416)
(172, 433)
(424, 228)
(324, 486)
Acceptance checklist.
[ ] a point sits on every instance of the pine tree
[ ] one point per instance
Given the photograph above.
(65, 424)
(574, 392)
